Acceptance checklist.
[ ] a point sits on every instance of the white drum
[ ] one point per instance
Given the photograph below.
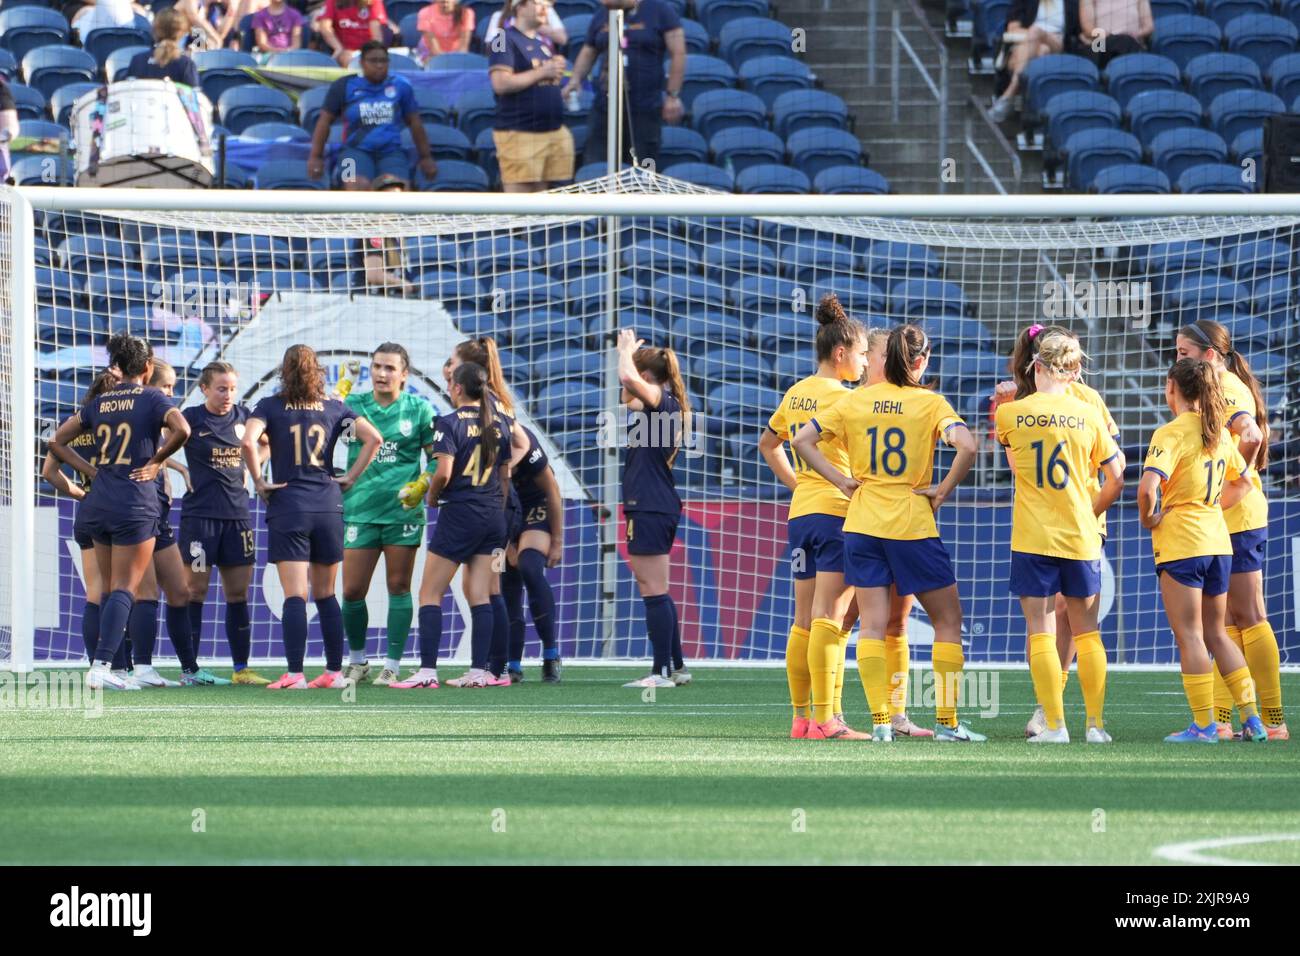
(144, 133)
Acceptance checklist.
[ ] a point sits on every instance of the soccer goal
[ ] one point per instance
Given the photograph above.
(730, 282)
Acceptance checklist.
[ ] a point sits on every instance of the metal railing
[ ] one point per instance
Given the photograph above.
(1009, 153)
(937, 85)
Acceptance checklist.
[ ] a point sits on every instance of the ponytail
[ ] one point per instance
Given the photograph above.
(484, 353)
(835, 328)
(663, 365)
(906, 344)
(1198, 383)
(1238, 366)
(168, 28)
(473, 380)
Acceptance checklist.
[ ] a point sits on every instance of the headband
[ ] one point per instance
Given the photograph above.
(1199, 333)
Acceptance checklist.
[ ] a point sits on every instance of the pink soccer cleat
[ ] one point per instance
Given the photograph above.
(834, 729)
(493, 681)
(474, 677)
(288, 681)
(903, 726)
(330, 680)
(1224, 730)
(426, 678)
(799, 728)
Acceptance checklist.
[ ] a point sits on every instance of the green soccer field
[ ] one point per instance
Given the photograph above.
(589, 772)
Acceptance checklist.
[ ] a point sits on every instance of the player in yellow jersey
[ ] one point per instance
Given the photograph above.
(1192, 473)
(1056, 444)
(814, 653)
(1248, 624)
(890, 536)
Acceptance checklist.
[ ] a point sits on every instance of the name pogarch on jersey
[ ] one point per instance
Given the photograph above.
(76, 909)
(627, 428)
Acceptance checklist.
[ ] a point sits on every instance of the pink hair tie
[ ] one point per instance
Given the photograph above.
(1034, 330)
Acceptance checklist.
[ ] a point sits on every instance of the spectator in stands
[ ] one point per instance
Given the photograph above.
(374, 105)
(534, 147)
(381, 258)
(207, 23)
(651, 28)
(101, 14)
(1111, 28)
(348, 25)
(8, 125)
(165, 61)
(1044, 26)
(550, 27)
(277, 27)
(446, 26)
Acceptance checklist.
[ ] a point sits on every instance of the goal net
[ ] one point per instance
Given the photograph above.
(735, 296)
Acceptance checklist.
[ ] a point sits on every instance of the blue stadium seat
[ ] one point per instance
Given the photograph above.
(277, 132)
(288, 281)
(767, 77)
(1253, 332)
(569, 404)
(926, 299)
(1200, 295)
(1131, 178)
(1175, 258)
(988, 22)
(8, 64)
(30, 103)
(1284, 76)
(1291, 10)
(61, 327)
(781, 332)
(815, 260)
(647, 326)
(773, 179)
(1223, 12)
(721, 261)
(409, 30)
(1234, 112)
(1250, 145)
(954, 333)
(1210, 74)
(745, 38)
(798, 109)
(1176, 150)
(522, 290)
(817, 148)
(702, 174)
(485, 151)
(571, 8)
(288, 174)
(445, 142)
(23, 29)
(82, 253)
(704, 73)
(674, 295)
(448, 286)
(544, 329)
(1047, 76)
(432, 105)
(220, 70)
(792, 366)
(860, 297)
(649, 259)
(1092, 150)
(242, 106)
(886, 261)
(715, 14)
(63, 99)
(1262, 37)
(458, 63)
(681, 144)
(573, 258)
(57, 287)
(117, 288)
(1257, 258)
(567, 362)
(256, 252)
(1155, 111)
(1165, 8)
(1068, 113)
(295, 58)
(1126, 76)
(854, 180)
(1271, 368)
(730, 364)
(35, 170)
(43, 130)
(398, 10)
(716, 110)
(102, 42)
(1183, 36)
(740, 147)
(576, 27)
(697, 37)
(762, 295)
(115, 66)
(743, 406)
(711, 327)
(476, 110)
(46, 68)
(426, 253)
(590, 171)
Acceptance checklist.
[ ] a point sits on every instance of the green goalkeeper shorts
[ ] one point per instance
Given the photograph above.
(360, 534)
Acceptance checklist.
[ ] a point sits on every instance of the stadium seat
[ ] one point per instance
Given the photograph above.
(1131, 178)
(647, 326)
(815, 260)
(1270, 368)
(773, 179)
(409, 29)
(1224, 12)
(1210, 74)
(715, 14)
(447, 286)
(569, 404)
(51, 133)
(117, 288)
(488, 255)
(799, 109)
(1092, 150)
(1126, 76)
(432, 105)
(576, 27)
(778, 333)
(740, 147)
(288, 174)
(590, 171)
(1262, 37)
(1183, 36)
(63, 98)
(705, 73)
(1250, 145)
(697, 37)
(526, 289)
(445, 142)
(1175, 151)
(102, 42)
(767, 77)
(762, 295)
(398, 10)
(1256, 259)
(1194, 296)
(34, 170)
(242, 106)
(674, 295)
(573, 258)
(61, 327)
(296, 58)
(850, 180)
(971, 373)
(1068, 113)
(952, 333)
(988, 22)
(860, 297)
(701, 174)
(46, 68)
(277, 132)
(1055, 73)
(926, 299)
(1252, 333)
(531, 332)
(255, 252)
(1155, 111)
(117, 62)
(1164, 8)
(817, 148)
(23, 29)
(712, 327)
(746, 38)
(716, 110)
(81, 253)
(744, 406)
(649, 259)
(30, 103)
(730, 364)
(58, 287)
(571, 8)
(568, 363)
(220, 70)
(792, 366)
(724, 261)
(458, 63)
(1234, 112)
(485, 154)
(476, 111)
(8, 64)
(310, 102)
(886, 261)
(681, 144)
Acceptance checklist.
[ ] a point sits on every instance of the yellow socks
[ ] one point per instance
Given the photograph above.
(897, 661)
(1065, 675)
(1199, 689)
(838, 706)
(1242, 689)
(1259, 644)
(1222, 697)
(1045, 668)
(874, 671)
(823, 661)
(796, 670)
(948, 661)
(1092, 674)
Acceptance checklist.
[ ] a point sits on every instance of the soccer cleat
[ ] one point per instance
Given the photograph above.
(101, 677)
(426, 678)
(125, 677)
(494, 681)
(1252, 731)
(682, 677)
(147, 676)
(1037, 723)
(1195, 735)
(1049, 736)
(834, 729)
(959, 734)
(474, 677)
(650, 680)
(388, 677)
(1277, 731)
(288, 682)
(248, 677)
(1097, 735)
(516, 674)
(202, 678)
(799, 728)
(551, 671)
(903, 726)
(330, 680)
(1224, 730)
(883, 733)
(357, 672)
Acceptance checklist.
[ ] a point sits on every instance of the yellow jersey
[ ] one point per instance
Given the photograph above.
(1191, 482)
(1251, 512)
(813, 494)
(1090, 396)
(1057, 443)
(890, 434)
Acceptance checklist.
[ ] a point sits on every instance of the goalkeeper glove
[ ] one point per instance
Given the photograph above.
(413, 492)
(348, 376)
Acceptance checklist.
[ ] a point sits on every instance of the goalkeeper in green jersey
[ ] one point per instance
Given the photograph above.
(376, 519)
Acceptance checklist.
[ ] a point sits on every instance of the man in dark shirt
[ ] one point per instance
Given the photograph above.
(651, 28)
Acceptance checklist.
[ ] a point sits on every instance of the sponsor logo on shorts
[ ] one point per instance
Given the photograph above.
(353, 533)
(409, 529)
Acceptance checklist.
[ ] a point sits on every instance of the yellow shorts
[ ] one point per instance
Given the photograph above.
(534, 157)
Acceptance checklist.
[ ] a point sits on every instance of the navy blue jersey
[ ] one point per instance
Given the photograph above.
(180, 70)
(373, 114)
(540, 108)
(126, 424)
(216, 464)
(302, 437)
(472, 483)
(644, 27)
(526, 473)
(654, 436)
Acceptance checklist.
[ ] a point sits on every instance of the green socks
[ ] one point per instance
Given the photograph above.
(356, 620)
(399, 624)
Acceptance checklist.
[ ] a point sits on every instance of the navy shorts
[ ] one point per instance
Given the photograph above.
(913, 567)
(460, 533)
(514, 523)
(1038, 575)
(1248, 550)
(816, 544)
(651, 532)
(80, 533)
(216, 542)
(1209, 573)
(315, 536)
(367, 164)
(165, 537)
(118, 528)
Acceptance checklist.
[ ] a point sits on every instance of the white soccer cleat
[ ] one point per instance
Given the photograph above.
(357, 672)
(426, 678)
(681, 677)
(474, 677)
(650, 680)
(129, 679)
(1058, 736)
(101, 677)
(1037, 723)
(147, 676)
(1097, 735)
(387, 677)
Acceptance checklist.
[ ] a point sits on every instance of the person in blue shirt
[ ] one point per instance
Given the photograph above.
(651, 30)
(374, 107)
(304, 512)
(165, 61)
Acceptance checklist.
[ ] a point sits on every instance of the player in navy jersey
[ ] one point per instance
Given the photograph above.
(122, 504)
(660, 416)
(216, 526)
(472, 449)
(304, 513)
(538, 545)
